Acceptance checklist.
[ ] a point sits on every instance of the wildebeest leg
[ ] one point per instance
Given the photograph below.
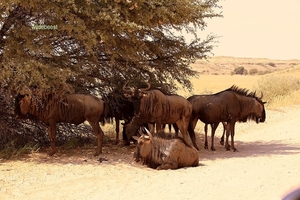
(99, 133)
(232, 136)
(176, 129)
(151, 127)
(205, 137)
(163, 126)
(171, 165)
(192, 125)
(213, 130)
(117, 130)
(224, 130)
(183, 126)
(170, 128)
(52, 137)
(227, 146)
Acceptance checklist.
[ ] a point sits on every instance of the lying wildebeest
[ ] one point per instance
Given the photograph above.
(153, 106)
(52, 106)
(159, 153)
(231, 105)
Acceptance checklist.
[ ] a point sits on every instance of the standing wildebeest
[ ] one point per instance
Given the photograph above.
(230, 106)
(153, 106)
(159, 153)
(119, 108)
(52, 107)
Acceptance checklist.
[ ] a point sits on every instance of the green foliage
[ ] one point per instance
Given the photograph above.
(240, 70)
(97, 45)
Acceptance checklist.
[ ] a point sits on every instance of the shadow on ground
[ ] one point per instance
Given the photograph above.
(247, 149)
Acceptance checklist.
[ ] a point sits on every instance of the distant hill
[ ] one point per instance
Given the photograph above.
(222, 65)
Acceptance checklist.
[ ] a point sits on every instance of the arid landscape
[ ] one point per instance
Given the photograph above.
(265, 167)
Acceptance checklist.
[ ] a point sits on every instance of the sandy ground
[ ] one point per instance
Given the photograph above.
(266, 166)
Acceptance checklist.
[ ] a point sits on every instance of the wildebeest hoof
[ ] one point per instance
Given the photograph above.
(205, 147)
(235, 150)
(102, 159)
(97, 154)
(222, 143)
(213, 148)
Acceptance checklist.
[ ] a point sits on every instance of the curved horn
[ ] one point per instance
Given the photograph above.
(261, 95)
(147, 88)
(124, 87)
(148, 132)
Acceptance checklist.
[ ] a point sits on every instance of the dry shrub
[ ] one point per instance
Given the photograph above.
(279, 90)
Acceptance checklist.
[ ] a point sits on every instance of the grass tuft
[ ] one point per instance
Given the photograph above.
(10, 150)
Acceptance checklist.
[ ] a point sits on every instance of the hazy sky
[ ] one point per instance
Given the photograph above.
(258, 28)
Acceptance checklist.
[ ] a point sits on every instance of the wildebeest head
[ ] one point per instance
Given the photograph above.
(130, 130)
(144, 145)
(22, 105)
(259, 114)
(135, 94)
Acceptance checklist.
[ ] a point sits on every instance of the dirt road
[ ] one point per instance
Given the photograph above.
(266, 166)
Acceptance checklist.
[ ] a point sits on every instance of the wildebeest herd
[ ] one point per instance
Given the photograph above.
(148, 107)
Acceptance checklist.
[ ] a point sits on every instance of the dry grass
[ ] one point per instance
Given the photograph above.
(281, 89)
(209, 84)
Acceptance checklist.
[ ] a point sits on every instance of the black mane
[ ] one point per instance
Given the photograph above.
(242, 91)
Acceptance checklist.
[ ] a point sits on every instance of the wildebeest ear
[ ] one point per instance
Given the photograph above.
(135, 137)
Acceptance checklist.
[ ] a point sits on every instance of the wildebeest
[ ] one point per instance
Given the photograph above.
(153, 106)
(159, 153)
(52, 106)
(231, 105)
(119, 108)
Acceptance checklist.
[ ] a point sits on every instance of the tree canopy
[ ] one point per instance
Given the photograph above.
(95, 46)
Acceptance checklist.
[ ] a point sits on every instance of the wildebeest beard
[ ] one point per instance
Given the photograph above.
(250, 115)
